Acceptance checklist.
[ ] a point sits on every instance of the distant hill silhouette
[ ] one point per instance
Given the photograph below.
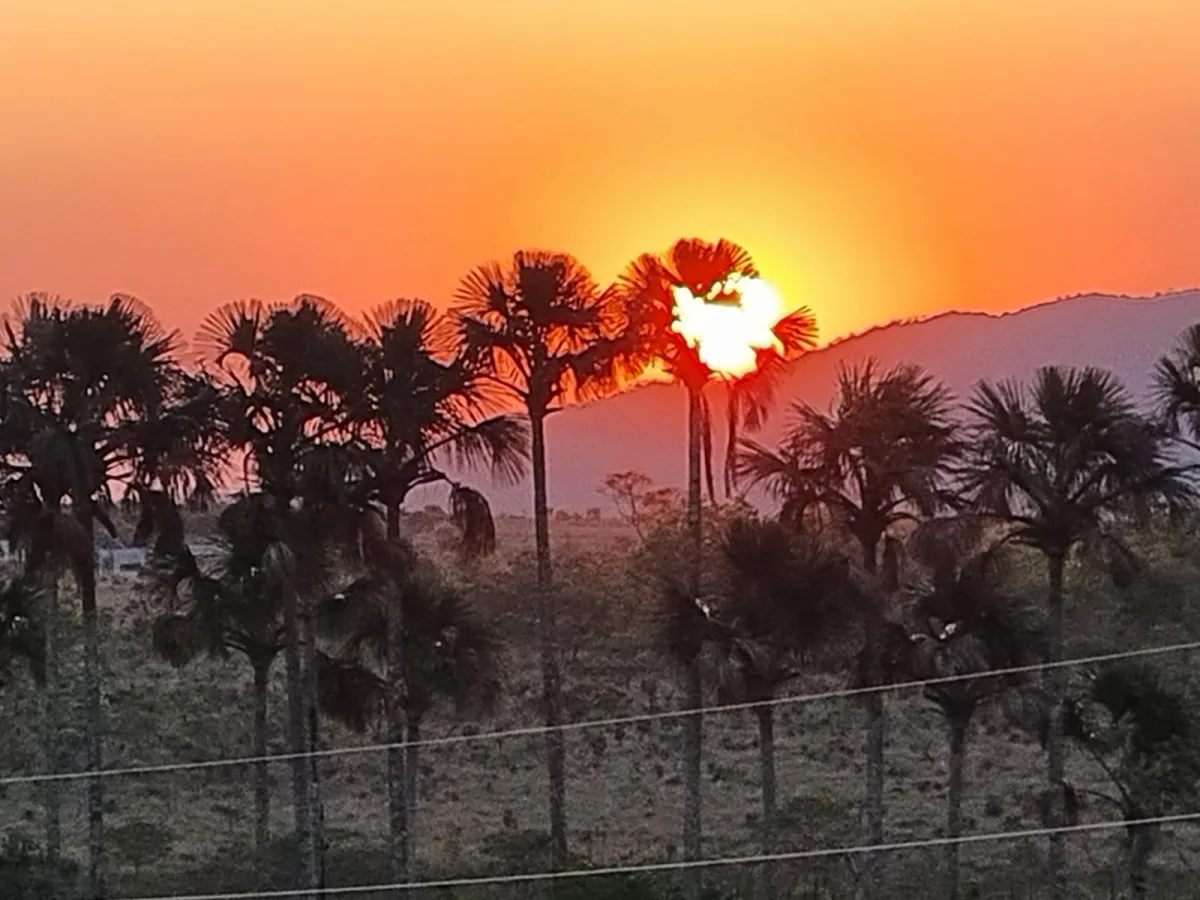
(644, 428)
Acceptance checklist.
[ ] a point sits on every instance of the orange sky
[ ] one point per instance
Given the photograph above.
(880, 158)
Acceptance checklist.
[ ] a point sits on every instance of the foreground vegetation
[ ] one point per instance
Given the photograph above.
(910, 538)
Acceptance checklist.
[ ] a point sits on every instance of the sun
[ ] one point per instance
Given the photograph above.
(731, 324)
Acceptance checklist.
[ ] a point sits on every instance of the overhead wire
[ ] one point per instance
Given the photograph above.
(583, 724)
(675, 866)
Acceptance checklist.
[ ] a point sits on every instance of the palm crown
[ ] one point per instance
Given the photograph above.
(1061, 460)
(421, 400)
(964, 617)
(543, 327)
(646, 289)
(877, 457)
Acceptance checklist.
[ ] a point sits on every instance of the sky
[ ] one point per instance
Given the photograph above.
(880, 159)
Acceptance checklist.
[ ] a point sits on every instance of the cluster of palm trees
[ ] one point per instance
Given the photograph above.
(331, 422)
(897, 519)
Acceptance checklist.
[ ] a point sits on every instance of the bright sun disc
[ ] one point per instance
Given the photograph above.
(729, 325)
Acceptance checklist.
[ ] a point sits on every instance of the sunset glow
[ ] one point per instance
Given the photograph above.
(882, 160)
(730, 324)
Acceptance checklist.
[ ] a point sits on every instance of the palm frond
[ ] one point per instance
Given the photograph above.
(472, 516)
(500, 442)
(177, 638)
(683, 628)
(22, 619)
(349, 692)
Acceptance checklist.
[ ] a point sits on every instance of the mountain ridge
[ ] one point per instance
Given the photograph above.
(644, 427)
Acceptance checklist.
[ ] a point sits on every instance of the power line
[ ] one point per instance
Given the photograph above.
(711, 863)
(533, 730)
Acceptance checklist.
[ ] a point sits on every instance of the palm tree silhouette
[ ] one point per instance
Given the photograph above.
(784, 596)
(874, 459)
(1140, 731)
(422, 401)
(21, 604)
(234, 606)
(546, 335)
(448, 654)
(964, 620)
(49, 544)
(287, 373)
(647, 292)
(81, 383)
(1059, 462)
(1176, 388)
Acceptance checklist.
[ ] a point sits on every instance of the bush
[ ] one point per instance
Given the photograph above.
(26, 873)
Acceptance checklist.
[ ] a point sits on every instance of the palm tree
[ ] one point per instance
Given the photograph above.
(48, 545)
(964, 620)
(1141, 733)
(876, 458)
(1058, 462)
(1176, 388)
(20, 627)
(647, 289)
(80, 381)
(286, 373)
(784, 596)
(234, 607)
(447, 653)
(546, 335)
(423, 401)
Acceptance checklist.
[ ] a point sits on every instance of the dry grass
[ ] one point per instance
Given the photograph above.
(483, 804)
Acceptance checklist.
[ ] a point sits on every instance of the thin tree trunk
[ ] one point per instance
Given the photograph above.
(292, 655)
(551, 677)
(93, 726)
(1141, 846)
(398, 807)
(1055, 743)
(766, 761)
(954, 800)
(869, 886)
(51, 725)
(693, 725)
(393, 521)
(412, 754)
(316, 859)
(318, 805)
(262, 773)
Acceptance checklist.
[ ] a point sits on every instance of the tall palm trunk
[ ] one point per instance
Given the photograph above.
(392, 518)
(412, 760)
(693, 725)
(94, 711)
(869, 884)
(397, 784)
(954, 800)
(1141, 846)
(551, 677)
(51, 725)
(1056, 749)
(262, 774)
(316, 858)
(301, 800)
(766, 762)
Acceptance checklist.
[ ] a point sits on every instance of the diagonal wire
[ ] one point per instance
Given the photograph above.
(714, 862)
(533, 730)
